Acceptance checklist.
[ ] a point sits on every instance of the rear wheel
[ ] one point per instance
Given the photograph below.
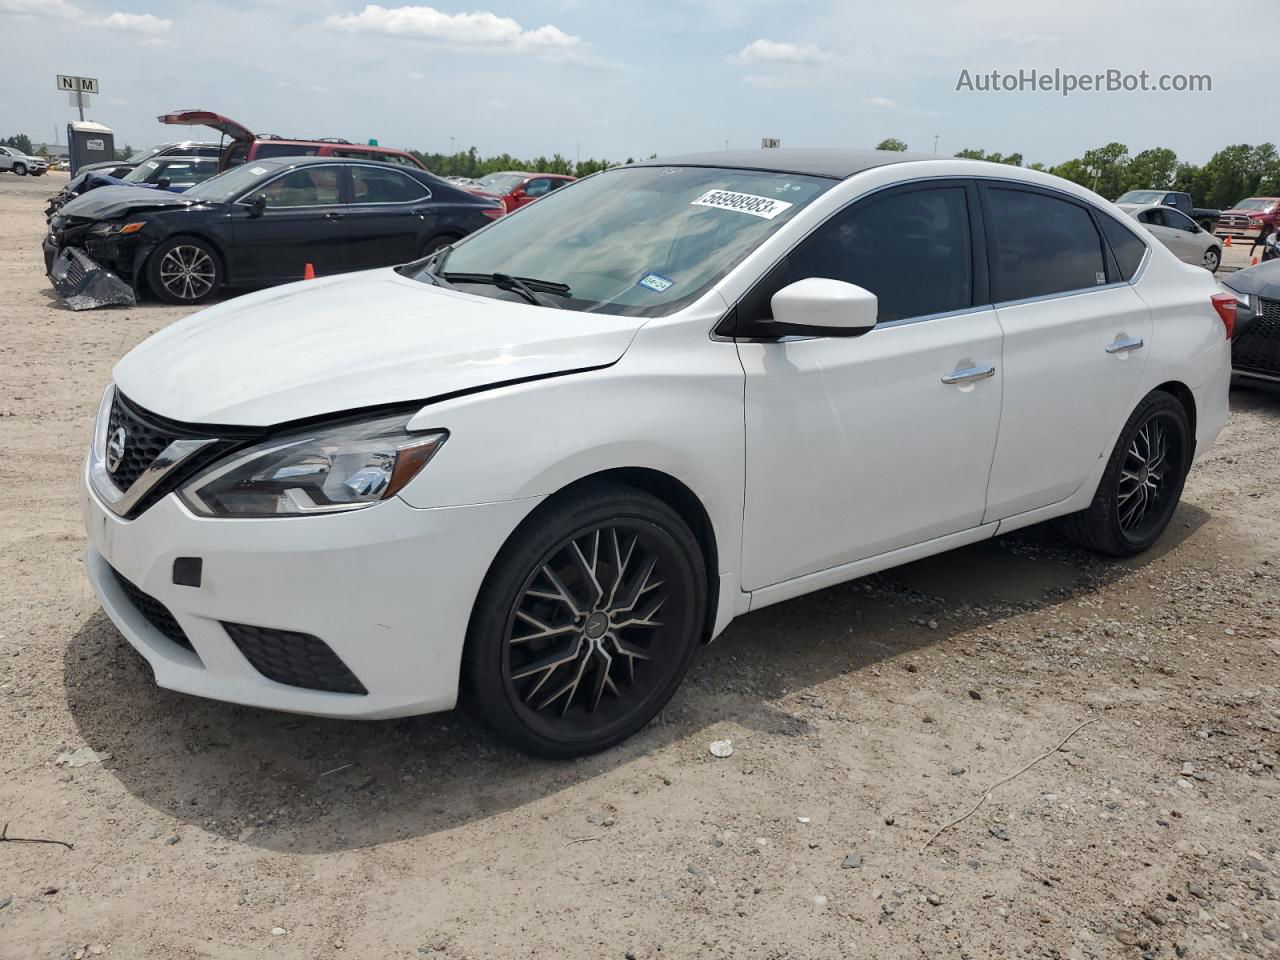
(587, 622)
(1212, 259)
(1142, 483)
(437, 243)
(184, 270)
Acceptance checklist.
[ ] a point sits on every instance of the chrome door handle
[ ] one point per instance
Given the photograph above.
(1122, 346)
(969, 374)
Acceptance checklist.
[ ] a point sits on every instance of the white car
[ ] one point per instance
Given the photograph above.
(15, 161)
(557, 457)
(1188, 241)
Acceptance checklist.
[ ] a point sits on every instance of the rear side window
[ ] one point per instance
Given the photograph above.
(304, 187)
(1124, 244)
(910, 249)
(266, 150)
(1043, 246)
(384, 185)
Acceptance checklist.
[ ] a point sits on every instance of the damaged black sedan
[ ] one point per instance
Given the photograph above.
(264, 223)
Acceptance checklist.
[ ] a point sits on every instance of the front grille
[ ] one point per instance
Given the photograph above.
(295, 659)
(155, 612)
(1258, 347)
(143, 442)
(75, 273)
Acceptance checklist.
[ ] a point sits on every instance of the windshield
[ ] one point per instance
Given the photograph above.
(225, 187)
(1256, 203)
(144, 155)
(1142, 196)
(502, 182)
(143, 172)
(640, 241)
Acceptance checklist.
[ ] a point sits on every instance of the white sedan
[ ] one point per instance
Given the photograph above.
(548, 463)
(1188, 241)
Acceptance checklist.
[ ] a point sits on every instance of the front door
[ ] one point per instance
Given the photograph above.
(859, 446)
(304, 222)
(1076, 339)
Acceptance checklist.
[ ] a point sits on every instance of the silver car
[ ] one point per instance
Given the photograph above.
(1188, 241)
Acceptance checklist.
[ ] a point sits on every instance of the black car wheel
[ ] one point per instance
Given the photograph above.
(1142, 483)
(587, 622)
(20, 169)
(184, 270)
(438, 243)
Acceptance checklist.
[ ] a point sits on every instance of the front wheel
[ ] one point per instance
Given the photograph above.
(586, 622)
(184, 270)
(1142, 483)
(20, 169)
(1212, 259)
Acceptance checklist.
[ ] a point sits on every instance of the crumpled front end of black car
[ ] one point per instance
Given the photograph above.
(86, 267)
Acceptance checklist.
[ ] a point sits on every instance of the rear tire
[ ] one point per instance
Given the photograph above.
(185, 271)
(436, 243)
(1212, 259)
(587, 621)
(1142, 483)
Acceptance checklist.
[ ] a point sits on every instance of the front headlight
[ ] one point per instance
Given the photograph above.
(323, 470)
(110, 229)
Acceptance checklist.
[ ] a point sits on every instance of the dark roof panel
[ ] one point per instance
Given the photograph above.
(836, 164)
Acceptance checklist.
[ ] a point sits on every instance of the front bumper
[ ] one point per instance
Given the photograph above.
(389, 589)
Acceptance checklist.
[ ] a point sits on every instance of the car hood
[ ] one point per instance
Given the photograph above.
(1262, 280)
(104, 165)
(107, 203)
(362, 340)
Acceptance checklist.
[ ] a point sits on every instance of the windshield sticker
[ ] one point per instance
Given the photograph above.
(152, 164)
(259, 170)
(764, 207)
(655, 281)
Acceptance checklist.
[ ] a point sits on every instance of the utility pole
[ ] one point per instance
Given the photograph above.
(726, 144)
(935, 143)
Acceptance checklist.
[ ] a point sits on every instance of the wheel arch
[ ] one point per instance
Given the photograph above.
(144, 264)
(1182, 393)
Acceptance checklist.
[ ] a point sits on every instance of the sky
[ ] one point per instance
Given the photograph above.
(618, 80)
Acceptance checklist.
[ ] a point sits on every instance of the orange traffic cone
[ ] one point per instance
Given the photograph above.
(1226, 242)
(309, 272)
(1255, 262)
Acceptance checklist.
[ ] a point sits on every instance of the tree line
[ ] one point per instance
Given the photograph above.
(469, 163)
(1233, 173)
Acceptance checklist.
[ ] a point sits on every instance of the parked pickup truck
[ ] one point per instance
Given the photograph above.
(1208, 219)
(1251, 217)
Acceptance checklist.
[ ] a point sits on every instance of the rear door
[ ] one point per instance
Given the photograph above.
(1076, 338)
(304, 222)
(390, 215)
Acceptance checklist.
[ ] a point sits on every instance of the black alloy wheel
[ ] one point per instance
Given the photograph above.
(184, 270)
(1142, 483)
(587, 622)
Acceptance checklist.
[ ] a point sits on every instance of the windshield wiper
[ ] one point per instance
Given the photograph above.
(524, 286)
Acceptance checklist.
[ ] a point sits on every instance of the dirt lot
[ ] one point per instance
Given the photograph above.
(862, 718)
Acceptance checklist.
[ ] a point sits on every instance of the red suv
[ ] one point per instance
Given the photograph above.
(246, 145)
(516, 189)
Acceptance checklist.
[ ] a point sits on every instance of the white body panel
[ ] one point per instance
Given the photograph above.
(814, 460)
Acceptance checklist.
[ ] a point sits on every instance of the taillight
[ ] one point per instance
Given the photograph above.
(493, 213)
(1225, 304)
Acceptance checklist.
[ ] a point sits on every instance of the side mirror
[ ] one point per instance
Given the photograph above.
(162, 183)
(258, 205)
(819, 307)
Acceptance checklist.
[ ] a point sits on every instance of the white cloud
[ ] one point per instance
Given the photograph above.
(144, 23)
(879, 102)
(480, 29)
(772, 51)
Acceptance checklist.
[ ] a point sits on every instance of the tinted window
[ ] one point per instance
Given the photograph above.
(537, 187)
(1042, 245)
(284, 150)
(1179, 221)
(910, 249)
(384, 185)
(557, 184)
(307, 187)
(1124, 244)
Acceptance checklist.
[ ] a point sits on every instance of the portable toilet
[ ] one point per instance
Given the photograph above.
(89, 142)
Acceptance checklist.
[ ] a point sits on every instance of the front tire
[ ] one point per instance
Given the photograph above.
(185, 271)
(587, 621)
(1142, 483)
(20, 169)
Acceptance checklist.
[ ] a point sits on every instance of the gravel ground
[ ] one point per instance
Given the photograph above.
(862, 719)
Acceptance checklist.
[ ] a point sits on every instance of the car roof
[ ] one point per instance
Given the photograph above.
(814, 162)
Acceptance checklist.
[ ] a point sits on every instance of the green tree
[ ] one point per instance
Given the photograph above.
(1153, 169)
(891, 143)
(1106, 167)
(20, 142)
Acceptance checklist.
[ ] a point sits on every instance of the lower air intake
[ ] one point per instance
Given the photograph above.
(294, 659)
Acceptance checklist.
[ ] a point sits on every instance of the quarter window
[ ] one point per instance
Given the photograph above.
(910, 249)
(384, 185)
(1125, 244)
(1043, 245)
